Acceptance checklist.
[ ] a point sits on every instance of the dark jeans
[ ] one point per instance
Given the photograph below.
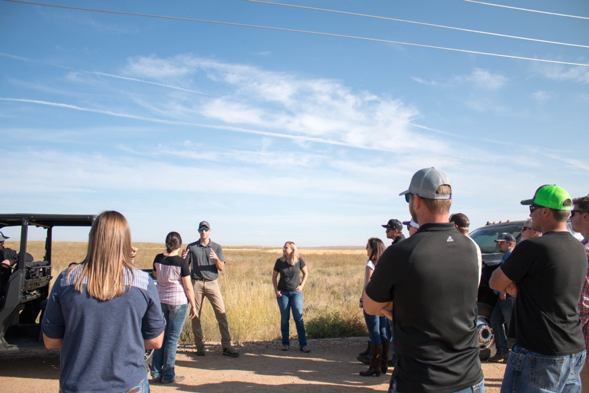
(292, 300)
(501, 314)
(379, 329)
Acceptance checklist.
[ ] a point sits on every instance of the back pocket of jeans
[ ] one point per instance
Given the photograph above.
(545, 372)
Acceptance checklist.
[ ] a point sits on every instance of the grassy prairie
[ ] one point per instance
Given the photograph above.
(330, 295)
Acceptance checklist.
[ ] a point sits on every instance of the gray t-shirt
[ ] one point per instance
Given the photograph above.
(198, 259)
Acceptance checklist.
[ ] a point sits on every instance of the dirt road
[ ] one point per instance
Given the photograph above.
(331, 367)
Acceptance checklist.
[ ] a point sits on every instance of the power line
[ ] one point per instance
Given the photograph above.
(304, 32)
(418, 23)
(528, 10)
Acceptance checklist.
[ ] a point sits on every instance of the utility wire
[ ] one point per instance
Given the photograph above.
(418, 23)
(305, 32)
(527, 9)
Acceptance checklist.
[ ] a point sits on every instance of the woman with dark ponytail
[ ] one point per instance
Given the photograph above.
(175, 290)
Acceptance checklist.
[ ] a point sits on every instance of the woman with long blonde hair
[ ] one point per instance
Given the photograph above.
(104, 313)
(289, 293)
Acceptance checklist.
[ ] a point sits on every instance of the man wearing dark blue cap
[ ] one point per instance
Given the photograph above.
(428, 286)
(545, 275)
(502, 312)
(394, 230)
(207, 260)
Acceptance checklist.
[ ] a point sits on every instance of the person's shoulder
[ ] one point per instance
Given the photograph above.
(213, 244)
(141, 279)
(194, 244)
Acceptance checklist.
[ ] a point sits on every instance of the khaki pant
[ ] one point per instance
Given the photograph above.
(210, 290)
(585, 377)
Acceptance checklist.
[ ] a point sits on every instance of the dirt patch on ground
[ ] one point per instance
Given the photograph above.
(261, 368)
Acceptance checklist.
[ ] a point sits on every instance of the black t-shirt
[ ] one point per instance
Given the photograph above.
(432, 278)
(176, 261)
(398, 239)
(549, 272)
(290, 275)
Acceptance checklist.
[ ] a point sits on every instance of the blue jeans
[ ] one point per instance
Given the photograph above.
(294, 300)
(379, 329)
(528, 371)
(164, 358)
(501, 313)
(477, 388)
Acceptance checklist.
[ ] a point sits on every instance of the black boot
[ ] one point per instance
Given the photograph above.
(384, 361)
(374, 368)
(366, 352)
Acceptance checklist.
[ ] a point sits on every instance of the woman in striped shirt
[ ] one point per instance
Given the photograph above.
(175, 291)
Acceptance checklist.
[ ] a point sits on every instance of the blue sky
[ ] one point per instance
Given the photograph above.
(277, 135)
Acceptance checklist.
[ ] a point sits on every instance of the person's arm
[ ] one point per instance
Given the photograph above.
(154, 343)
(304, 280)
(218, 262)
(500, 282)
(52, 343)
(376, 308)
(189, 290)
(367, 275)
(275, 283)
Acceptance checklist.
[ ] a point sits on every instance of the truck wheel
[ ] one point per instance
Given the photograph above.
(485, 333)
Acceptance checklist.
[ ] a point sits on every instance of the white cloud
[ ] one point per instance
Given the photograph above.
(541, 95)
(563, 73)
(484, 79)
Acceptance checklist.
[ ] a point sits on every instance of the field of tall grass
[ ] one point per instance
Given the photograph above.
(330, 295)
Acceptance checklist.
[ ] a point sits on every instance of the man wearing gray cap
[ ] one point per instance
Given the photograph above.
(207, 260)
(394, 230)
(428, 286)
(502, 311)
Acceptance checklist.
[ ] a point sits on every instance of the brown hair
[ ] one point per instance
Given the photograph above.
(582, 203)
(377, 247)
(109, 254)
(461, 221)
(439, 206)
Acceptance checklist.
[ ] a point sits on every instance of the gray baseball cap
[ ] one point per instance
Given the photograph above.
(2, 237)
(426, 181)
(204, 224)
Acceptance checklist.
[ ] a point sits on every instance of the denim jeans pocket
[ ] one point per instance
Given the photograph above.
(545, 371)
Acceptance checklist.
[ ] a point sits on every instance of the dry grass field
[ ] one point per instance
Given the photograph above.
(330, 295)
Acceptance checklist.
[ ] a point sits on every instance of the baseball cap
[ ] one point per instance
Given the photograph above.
(204, 224)
(426, 181)
(394, 224)
(550, 196)
(2, 237)
(505, 237)
(411, 223)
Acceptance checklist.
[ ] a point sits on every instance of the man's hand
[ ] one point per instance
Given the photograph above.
(213, 255)
(184, 253)
(6, 263)
(388, 311)
(512, 289)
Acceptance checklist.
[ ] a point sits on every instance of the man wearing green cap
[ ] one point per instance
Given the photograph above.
(546, 275)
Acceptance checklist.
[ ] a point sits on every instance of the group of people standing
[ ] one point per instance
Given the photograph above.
(106, 308)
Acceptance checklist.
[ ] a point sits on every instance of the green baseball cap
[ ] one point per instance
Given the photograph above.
(550, 196)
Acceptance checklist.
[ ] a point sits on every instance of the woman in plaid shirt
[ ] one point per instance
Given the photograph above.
(175, 291)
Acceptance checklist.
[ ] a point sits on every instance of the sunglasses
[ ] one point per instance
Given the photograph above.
(203, 229)
(524, 228)
(408, 197)
(534, 207)
(573, 212)
(500, 243)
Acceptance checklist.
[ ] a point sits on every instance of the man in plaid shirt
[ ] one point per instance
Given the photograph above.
(580, 223)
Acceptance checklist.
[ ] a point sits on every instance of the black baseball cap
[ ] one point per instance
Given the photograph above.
(505, 237)
(394, 224)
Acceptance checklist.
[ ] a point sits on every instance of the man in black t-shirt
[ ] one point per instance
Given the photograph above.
(546, 275)
(427, 284)
(394, 230)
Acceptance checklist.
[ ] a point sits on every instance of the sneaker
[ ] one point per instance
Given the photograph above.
(285, 347)
(200, 350)
(305, 349)
(498, 358)
(230, 352)
(178, 379)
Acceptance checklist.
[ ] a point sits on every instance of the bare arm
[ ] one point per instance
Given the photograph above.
(154, 343)
(304, 280)
(219, 263)
(189, 290)
(52, 343)
(375, 308)
(367, 275)
(500, 282)
(275, 283)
